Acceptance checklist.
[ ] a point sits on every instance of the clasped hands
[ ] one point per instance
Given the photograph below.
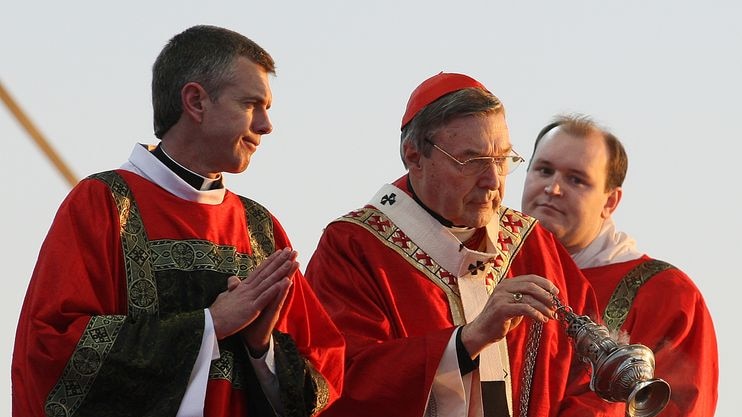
(252, 306)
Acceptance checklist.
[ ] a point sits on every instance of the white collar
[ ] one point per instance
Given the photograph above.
(143, 163)
(608, 247)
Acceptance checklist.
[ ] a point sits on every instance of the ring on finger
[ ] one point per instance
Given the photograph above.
(517, 297)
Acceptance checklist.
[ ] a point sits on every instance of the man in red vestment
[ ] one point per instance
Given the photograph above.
(157, 291)
(573, 186)
(444, 296)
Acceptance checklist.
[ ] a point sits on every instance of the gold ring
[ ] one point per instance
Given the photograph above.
(517, 297)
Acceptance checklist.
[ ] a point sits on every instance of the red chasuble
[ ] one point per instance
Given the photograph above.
(397, 308)
(113, 318)
(670, 317)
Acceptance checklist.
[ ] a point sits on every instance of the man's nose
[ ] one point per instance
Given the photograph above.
(553, 188)
(491, 177)
(262, 123)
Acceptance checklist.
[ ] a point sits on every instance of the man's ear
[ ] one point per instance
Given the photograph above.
(411, 156)
(193, 96)
(611, 204)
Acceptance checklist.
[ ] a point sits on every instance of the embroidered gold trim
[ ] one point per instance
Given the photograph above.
(198, 255)
(223, 367)
(206, 255)
(141, 259)
(623, 296)
(260, 230)
(514, 228)
(322, 388)
(78, 376)
(393, 237)
(140, 278)
(227, 368)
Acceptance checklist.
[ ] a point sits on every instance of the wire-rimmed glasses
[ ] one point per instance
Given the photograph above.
(474, 166)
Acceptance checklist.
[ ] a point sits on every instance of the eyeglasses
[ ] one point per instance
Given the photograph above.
(474, 166)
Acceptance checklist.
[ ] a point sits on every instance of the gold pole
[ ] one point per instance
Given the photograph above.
(38, 137)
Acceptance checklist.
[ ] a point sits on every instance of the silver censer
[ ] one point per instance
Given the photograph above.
(619, 372)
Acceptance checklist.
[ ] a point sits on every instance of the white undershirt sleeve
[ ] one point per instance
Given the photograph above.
(265, 370)
(195, 395)
(192, 404)
(449, 394)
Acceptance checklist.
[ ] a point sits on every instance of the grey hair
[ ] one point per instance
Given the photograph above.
(201, 54)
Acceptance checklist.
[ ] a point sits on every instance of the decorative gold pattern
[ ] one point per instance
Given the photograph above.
(86, 361)
(322, 388)
(228, 369)
(514, 228)
(141, 259)
(140, 278)
(623, 296)
(260, 230)
(393, 237)
(198, 255)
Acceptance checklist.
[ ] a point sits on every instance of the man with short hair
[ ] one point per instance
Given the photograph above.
(573, 186)
(157, 291)
(446, 297)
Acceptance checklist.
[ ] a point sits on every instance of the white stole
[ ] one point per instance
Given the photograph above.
(441, 245)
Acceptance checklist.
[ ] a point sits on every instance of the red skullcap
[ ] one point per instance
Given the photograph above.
(434, 88)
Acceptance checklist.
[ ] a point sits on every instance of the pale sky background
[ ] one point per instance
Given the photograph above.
(663, 75)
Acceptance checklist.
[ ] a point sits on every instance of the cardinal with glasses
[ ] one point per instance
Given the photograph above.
(444, 295)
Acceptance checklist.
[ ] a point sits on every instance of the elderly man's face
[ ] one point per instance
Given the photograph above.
(465, 200)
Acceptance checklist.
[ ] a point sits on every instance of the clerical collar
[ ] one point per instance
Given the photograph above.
(196, 181)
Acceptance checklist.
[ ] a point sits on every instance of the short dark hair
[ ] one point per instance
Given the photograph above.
(581, 125)
(465, 102)
(202, 54)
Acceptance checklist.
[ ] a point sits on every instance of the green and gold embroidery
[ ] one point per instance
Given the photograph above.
(142, 258)
(304, 391)
(623, 296)
(79, 374)
(199, 255)
(140, 278)
(260, 230)
(227, 368)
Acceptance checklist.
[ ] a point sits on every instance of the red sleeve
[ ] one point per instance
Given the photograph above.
(393, 346)
(670, 317)
(304, 318)
(78, 274)
(560, 384)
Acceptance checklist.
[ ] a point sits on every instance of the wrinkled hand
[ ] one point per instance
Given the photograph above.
(255, 300)
(512, 299)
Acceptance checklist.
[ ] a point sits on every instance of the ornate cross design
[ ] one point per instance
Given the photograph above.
(389, 198)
